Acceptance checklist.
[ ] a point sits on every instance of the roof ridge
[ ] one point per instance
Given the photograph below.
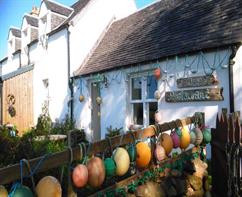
(27, 14)
(14, 27)
(62, 5)
(165, 2)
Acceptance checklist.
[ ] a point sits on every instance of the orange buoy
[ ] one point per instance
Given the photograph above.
(96, 172)
(143, 155)
(166, 142)
(148, 131)
(80, 175)
(185, 138)
(48, 186)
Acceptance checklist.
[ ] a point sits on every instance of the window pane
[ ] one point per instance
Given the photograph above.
(138, 113)
(151, 87)
(152, 110)
(136, 88)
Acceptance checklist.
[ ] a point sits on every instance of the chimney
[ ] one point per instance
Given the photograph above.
(34, 11)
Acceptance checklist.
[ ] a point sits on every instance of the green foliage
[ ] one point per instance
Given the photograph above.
(62, 127)
(15, 148)
(44, 122)
(113, 131)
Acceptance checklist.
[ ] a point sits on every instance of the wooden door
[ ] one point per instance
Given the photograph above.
(95, 122)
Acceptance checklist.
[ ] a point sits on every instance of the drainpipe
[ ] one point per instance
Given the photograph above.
(70, 80)
(1, 102)
(231, 77)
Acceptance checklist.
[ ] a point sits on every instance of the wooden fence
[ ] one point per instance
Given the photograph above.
(12, 173)
(226, 155)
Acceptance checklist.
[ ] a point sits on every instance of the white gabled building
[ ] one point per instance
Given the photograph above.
(186, 43)
(53, 44)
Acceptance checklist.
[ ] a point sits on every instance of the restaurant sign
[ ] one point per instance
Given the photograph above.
(197, 81)
(204, 94)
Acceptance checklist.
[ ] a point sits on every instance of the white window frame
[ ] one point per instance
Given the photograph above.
(143, 100)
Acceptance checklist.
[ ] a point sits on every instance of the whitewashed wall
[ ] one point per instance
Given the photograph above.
(38, 56)
(90, 24)
(115, 106)
(58, 74)
(3, 64)
(12, 64)
(237, 71)
(51, 64)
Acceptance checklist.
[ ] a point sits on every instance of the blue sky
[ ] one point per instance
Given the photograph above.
(12, 11)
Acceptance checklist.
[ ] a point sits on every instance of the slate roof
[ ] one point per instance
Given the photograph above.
(54, 7)
(167, 28)
(33, 21)
(16, 32)
(78, 6)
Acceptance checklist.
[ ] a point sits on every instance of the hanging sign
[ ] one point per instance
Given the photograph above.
(205, 94)
(197, 81)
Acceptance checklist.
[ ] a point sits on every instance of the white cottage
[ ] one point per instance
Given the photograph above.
(50, 45)
(196, 46)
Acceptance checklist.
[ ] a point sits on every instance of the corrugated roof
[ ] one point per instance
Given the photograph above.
(33, 21)
(57, 8)
(167, 28)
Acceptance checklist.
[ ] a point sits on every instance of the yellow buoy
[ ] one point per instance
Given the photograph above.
(121, 158)
(185, 138)
(48, 186)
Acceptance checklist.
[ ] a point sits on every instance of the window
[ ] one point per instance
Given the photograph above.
(143, 103)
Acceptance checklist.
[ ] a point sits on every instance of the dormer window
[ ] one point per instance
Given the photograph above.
(14, 40)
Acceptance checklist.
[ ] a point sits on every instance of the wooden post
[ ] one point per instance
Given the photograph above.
(226, 139)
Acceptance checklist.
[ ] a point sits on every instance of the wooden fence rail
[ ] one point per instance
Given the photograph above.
(12, 173)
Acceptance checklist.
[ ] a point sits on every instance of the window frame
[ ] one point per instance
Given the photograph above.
(143, 99)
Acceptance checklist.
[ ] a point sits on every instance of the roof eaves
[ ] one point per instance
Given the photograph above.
(4, 59)
(17, 72)
(190, 52)
(33, 42)
(17, 51)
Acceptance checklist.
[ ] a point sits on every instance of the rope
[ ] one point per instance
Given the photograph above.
(31, 173)
(110, 144)
(13, 189)
(71, 154)
(39, 164)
